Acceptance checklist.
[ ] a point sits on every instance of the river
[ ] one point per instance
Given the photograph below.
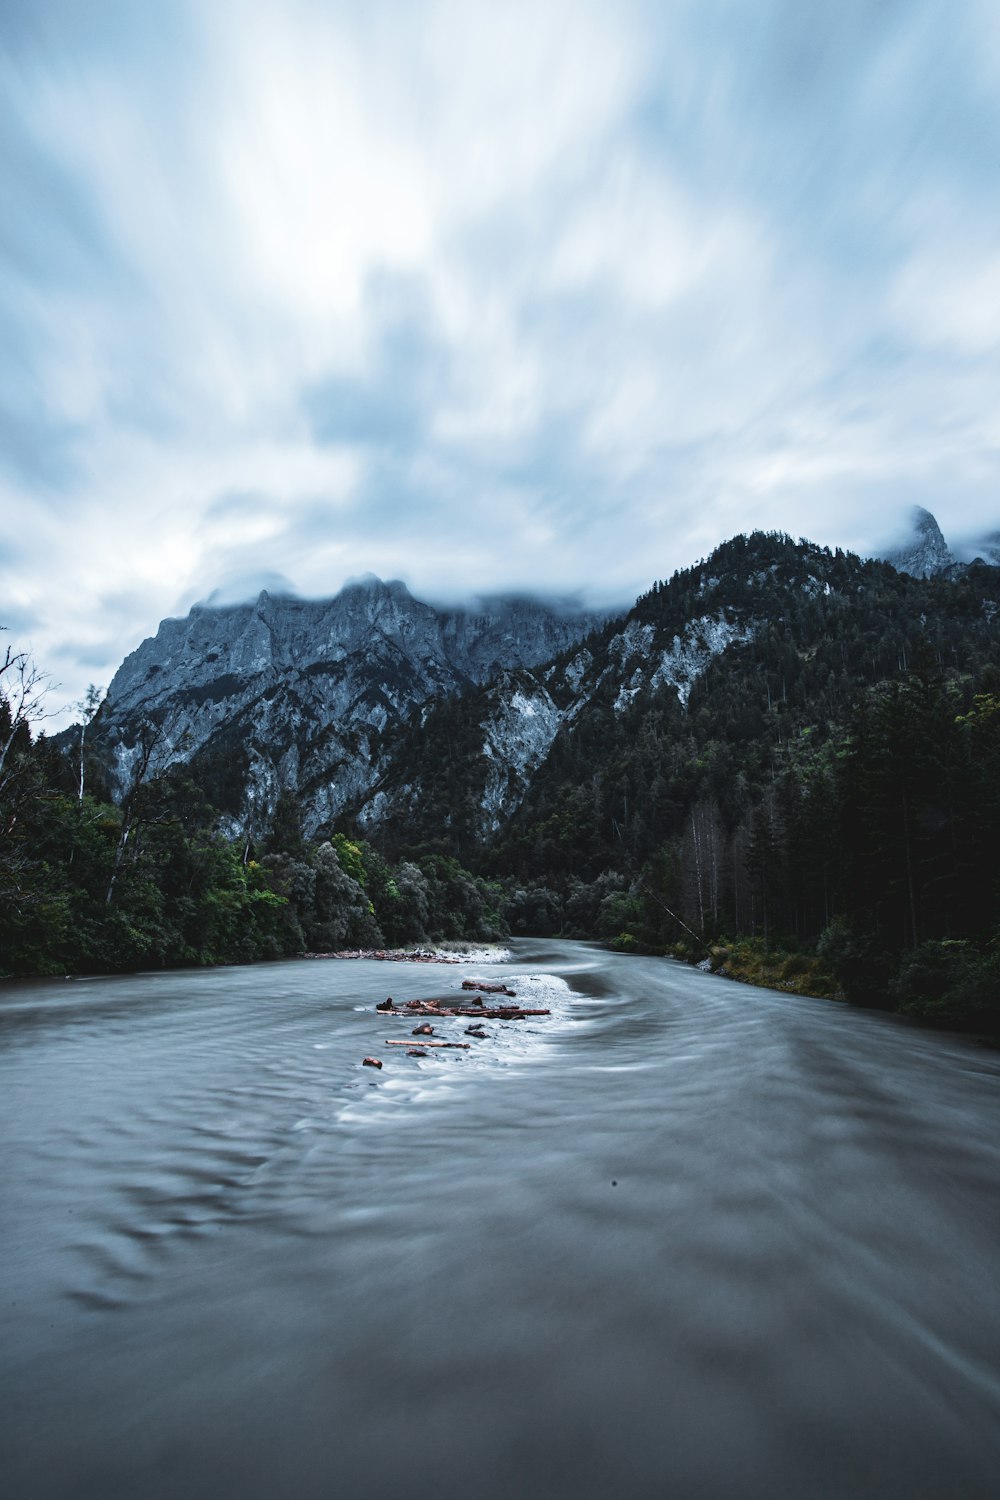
(682, 1238)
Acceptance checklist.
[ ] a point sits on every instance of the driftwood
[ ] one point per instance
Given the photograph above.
(472, 1008)
(455, 1046)
(479, 1013)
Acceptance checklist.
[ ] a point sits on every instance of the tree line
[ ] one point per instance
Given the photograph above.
(88, 884)
(827, 799)
(823, 812)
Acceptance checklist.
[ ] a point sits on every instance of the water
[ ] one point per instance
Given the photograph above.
(684, 1238)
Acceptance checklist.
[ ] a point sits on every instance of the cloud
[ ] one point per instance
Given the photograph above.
(239, 588)
(486, 297)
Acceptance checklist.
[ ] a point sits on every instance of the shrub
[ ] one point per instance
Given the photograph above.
(951, 980)
(795, 965)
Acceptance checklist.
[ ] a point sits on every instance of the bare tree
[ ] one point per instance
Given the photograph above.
(149, 737)
(702, 858)
(22, 703)
(87, 707)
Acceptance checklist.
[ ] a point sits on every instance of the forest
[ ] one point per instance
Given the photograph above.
(823, 814)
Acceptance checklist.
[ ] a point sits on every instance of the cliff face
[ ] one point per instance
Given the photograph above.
(926, 553)
(415, 720)
(367, 702)
(292, 693)
(734, 667)
(501, 736)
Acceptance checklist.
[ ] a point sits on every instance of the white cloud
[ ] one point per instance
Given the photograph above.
(617, 282)
(950, 298)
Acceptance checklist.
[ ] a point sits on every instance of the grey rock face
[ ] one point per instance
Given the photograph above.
(522, 712)
(292, 693)
(315, 696)
(927, 553)
(519, 720)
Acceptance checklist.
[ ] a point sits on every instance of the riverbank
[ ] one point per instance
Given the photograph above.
(947, 985)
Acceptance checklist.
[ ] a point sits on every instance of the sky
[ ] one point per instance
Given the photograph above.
(544, 296)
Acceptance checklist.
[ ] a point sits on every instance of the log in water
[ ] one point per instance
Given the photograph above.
(679, 1238)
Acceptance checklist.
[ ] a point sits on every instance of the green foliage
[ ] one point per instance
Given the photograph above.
(618, 912)
(951, 980)
(350, 858)
(822, 814)
(753, 962)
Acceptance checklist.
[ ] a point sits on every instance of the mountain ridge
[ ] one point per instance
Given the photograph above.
(297, 694)
(330, 699)
(782, 746)
(787, 633)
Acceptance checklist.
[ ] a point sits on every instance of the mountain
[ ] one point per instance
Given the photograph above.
(598, 758)
(782, 744)
(506, 729)
(454, 728)
(285, 693)
(925, 554)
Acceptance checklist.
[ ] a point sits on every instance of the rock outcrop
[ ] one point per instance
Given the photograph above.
(926, 553)
(289, 693)
(417, 720)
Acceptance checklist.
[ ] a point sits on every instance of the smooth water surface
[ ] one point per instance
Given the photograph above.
(683, 1238)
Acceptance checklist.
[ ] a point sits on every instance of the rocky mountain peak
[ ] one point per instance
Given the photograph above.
(925, 553)
(290, 692)
(370, 585)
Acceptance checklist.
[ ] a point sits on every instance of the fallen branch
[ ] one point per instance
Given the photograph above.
(455, 1046)
(479, 1013)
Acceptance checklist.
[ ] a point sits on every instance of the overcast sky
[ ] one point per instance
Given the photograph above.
(480, 295)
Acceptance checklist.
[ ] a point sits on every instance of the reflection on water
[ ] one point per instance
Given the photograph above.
(682, 1238)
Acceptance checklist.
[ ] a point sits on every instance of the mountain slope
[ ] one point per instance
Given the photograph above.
(461, 730)
(290, 694)
(595, 760)
(925, 553)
